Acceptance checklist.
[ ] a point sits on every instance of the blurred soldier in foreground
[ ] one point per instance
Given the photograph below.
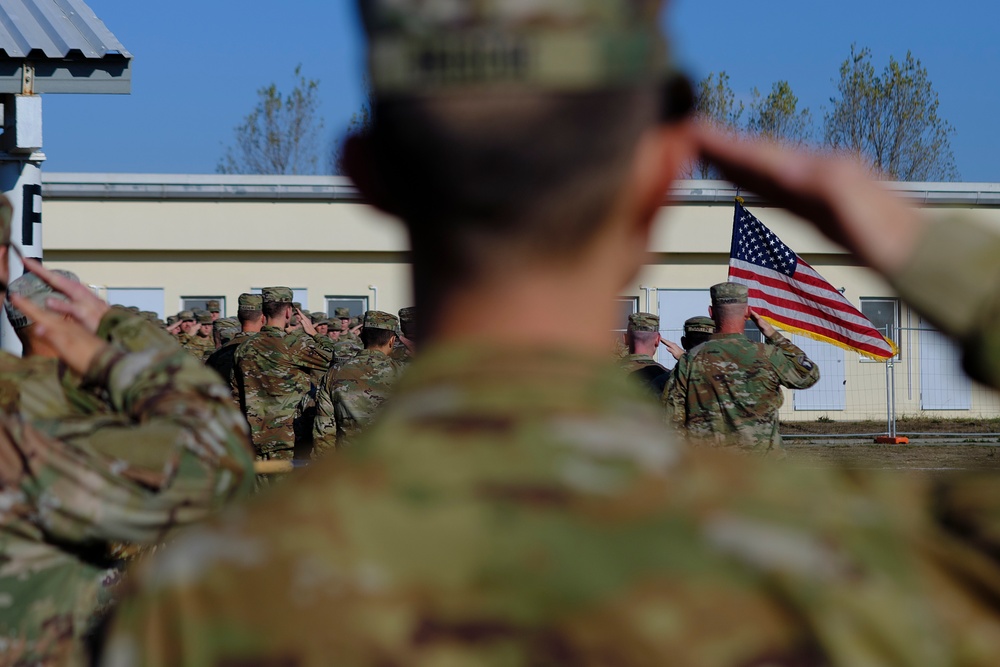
(353, 392)
(643, 338)
(274, 371)
(727, 392)
(138, 445)
(517, 502)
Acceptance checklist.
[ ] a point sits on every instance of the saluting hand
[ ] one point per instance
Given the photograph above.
(306, 323)
(82, 305)
(762, 324)
(73, 342)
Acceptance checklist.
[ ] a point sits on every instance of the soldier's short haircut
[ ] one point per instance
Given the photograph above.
(375, 337)
(728, 312)
(245, 316)
(480, 179)
(272, 309)
(644, 337)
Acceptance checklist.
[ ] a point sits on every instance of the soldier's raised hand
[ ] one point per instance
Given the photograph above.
(306, 323)
(82, 305)
(675, 350)
(72, 341)
(762, 324)
(835, 193)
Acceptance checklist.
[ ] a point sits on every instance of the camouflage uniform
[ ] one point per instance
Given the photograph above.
(272, 377)
(200, 347)
(74, 480)
(525, 507)
(223, 360)
(353, 392)
(407, 327)
(565, 529)
(727, 391)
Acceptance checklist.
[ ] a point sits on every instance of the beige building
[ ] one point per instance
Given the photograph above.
(166, 242)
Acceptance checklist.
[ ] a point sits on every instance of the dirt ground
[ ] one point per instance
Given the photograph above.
(931, 457)
(935, 444)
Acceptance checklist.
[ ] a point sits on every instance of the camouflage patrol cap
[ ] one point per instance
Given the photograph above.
(226, 328)
(342, 313)
(700, 324)
(171, 320)
(203, 317)
(250, 302)
(408, 320)
(213, 306)
(643, 322)
(133, 309)
(276, 295)
(376, 319)
(335, 325)
(35, 290)
(185, 316)
(728, 293)
(548, 44)
(6, 214)
(319, 318)
(150, 315)
(296, 305)
(358, 321)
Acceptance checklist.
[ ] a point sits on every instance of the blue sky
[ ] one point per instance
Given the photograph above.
(198, 65)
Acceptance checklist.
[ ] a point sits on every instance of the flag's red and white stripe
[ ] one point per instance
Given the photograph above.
(806, 303)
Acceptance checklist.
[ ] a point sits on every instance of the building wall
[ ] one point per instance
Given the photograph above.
(210, 236)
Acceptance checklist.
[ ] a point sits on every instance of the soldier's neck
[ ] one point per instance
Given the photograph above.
(542, 309)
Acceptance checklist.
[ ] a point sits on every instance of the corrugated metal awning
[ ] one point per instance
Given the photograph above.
(71, 50)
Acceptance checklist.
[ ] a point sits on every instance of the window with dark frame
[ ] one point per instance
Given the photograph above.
(358, 305)
(627, 305)
(884, 315)
(201, 303)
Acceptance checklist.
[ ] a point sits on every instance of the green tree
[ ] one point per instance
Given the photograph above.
(280, 135)
(891, 119)
(777, 116)
(715, 102)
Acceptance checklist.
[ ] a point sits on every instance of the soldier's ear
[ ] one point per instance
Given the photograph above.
(710, 313)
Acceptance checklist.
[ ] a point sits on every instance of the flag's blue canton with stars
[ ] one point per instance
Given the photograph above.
(754, 243)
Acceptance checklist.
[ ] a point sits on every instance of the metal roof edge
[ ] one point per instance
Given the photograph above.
(338, 188)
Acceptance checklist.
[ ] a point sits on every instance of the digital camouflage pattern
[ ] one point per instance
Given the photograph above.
(401, 354)
(441, 44)
(199, 347)
(346, 348)
(953, 278)
(141, 446)
(272, 377)
(350, 396)
(644, 322)
(634, 362)
(727, 391)
(566, 529)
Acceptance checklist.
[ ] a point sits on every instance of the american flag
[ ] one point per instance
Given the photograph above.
(787, 291)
